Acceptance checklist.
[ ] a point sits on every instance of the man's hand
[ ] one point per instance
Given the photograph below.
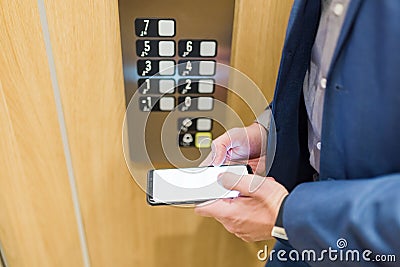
(240, 146)
(252, 215)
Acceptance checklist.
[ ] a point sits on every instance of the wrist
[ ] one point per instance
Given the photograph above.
(258, 136)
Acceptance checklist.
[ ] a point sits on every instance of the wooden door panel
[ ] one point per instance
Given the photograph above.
(259, 32)
(37, 221)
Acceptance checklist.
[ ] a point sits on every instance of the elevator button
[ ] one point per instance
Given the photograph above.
(166, 27)
(206, 86)
(167, 86)
(167, 103)
(207, 68)
(166, 67)
(166, 48)
(205, 103)
(203, 140)
(203, 124)
(208, 48)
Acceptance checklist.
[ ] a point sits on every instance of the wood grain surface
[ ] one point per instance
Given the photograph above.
(37, 221)
(259, 33)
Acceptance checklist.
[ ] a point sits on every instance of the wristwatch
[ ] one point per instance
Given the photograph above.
(278, 231)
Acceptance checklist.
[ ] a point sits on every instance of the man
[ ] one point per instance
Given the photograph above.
(336, 172)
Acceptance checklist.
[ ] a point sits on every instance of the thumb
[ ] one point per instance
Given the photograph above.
(247, 185)
(232, 181)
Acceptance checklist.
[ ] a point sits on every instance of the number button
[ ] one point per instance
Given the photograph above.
(205, 103)
(208, 48)
(167, 67)
(206, 86)
(166, 48)
(197, 48)
(145, 27)
(207, 68)
(167, 103)
(166, 86)
(166, 27)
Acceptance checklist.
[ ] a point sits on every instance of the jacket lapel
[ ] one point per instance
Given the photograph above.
(354, 6)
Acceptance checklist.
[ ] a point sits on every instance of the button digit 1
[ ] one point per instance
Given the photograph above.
(147, 86)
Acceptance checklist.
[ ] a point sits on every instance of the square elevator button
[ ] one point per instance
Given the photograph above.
(167, 103)
(166, 67)
(203, 124)
(166, 48)
(203, 140)
(167, 86)
(206, 86)
(208, 48)
(166, 27)
(207, 68)
(205, 103)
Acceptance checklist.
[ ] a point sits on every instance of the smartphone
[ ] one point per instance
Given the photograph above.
(190, 185)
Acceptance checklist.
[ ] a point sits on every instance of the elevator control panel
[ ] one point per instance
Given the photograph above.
(171, 50)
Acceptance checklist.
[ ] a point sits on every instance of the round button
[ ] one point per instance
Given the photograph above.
(319, 145)
(323, 83)
(338, 9)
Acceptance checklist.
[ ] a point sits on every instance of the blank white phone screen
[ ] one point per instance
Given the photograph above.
(192, 184)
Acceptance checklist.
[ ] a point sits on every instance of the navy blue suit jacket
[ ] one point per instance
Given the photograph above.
(357, 195)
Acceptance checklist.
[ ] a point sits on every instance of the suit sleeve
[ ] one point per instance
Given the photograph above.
(366, 213)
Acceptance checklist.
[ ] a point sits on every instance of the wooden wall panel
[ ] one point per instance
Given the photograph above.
(37, 222)
(85, 41)
(259, 32)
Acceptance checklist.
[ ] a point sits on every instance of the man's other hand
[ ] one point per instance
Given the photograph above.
(252, 215)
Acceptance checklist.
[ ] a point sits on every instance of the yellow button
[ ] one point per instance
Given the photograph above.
(203, 140)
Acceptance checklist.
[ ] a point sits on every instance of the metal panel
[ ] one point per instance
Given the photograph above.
(194, 22)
